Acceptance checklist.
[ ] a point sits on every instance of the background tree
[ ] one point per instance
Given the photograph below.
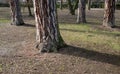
(48, 35)
(61, 4)
(16, 12)
(89, 4)
(73, 5)
(109, 13)
(81, 17)
(29, 2)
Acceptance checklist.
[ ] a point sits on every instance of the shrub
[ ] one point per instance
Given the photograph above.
(4, 5)
(118, 6)
(65, 5)
(97, 5)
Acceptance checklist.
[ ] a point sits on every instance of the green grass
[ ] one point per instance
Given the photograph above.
(4, 20)
(0, 67)
(84, 36)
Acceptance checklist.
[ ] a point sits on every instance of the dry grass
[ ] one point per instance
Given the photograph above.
(91, 50)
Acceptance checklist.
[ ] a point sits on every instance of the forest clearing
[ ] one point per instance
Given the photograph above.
(92, 49)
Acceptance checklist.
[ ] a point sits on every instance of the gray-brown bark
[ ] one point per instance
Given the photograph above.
(16, 13)
(81, 17)
(109, 13)
(48, 36)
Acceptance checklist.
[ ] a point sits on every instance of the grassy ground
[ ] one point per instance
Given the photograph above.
(85, 36)
(92, 49)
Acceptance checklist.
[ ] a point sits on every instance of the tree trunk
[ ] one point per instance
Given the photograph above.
(61, 4)
(16, 12)
(81, 12)
(29, 9)
(109, 13)
(89, 4)
(48, 36)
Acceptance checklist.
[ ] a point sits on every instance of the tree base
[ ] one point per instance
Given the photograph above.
(49, 48)
(108, 25)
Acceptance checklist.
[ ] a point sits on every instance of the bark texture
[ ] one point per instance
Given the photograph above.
(16, 12)
(48, 36)
(81, 17)
(109, 13)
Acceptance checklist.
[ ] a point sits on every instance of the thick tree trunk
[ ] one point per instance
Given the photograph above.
(29, 9)
(109, 13)
(81, 17)
(16, 12)
(48, 36)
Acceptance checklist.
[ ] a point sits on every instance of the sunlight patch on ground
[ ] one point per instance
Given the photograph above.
(89, 37)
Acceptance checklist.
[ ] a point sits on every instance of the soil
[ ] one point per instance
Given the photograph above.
(18, 55)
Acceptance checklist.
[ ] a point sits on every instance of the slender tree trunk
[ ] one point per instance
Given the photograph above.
(29, 9)
(81, 12)
(48, 36)
(109, 13)
(78, 15)
(61, 4)
(89, 4)
(16, 12)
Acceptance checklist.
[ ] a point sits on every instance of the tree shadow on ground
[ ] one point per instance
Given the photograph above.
(117, 27)
(91, 55)
(94, 23)
(27, 25)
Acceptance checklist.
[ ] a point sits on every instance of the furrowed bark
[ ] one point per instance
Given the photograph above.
(109, 13)
(16, 12)
(48, 36)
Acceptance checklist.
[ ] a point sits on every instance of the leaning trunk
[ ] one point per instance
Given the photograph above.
(109, 13)
(48, 36)
(16, 12)
(81, 12)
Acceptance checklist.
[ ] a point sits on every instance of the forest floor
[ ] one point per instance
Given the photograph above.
(92, 49)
